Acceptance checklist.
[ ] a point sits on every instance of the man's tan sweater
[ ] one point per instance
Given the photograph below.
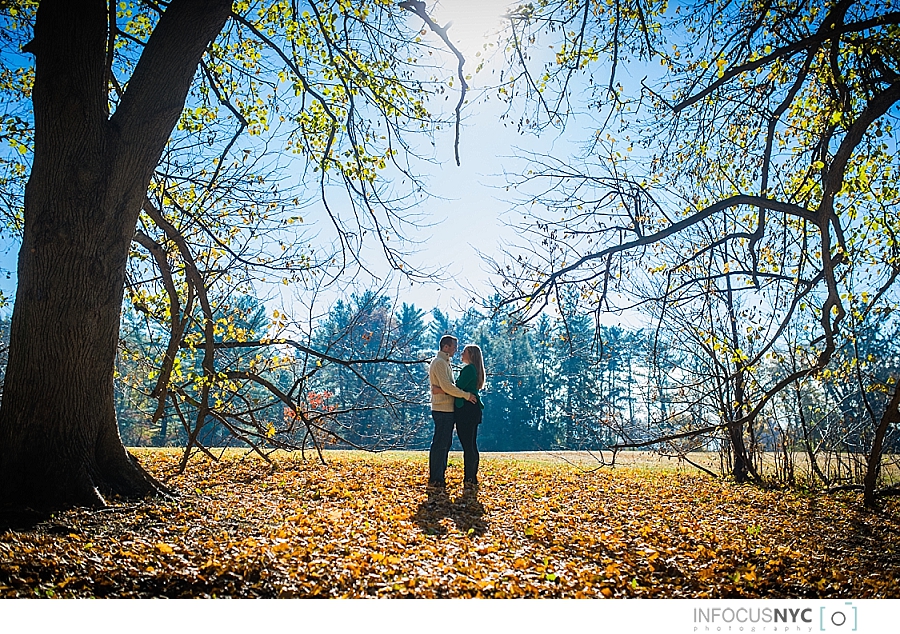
(441, 376)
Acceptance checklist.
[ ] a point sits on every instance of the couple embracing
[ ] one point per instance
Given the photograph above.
(455, 404)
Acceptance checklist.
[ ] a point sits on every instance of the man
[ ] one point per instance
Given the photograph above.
(442, 407)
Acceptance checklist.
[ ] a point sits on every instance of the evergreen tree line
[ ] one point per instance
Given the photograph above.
(563, 383)
(548, 387)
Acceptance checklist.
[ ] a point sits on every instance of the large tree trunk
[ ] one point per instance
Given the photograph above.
(59, 441)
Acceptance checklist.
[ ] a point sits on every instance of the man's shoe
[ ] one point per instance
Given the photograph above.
(437, 485)
(470, 484)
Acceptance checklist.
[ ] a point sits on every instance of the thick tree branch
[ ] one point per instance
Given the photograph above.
(197, 281)
(160, 82)
(693, 219)
(821, 36)
(176, 328)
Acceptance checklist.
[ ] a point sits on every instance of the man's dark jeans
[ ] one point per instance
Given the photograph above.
(440, 447)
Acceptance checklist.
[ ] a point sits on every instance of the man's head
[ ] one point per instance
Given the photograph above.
(448, 344)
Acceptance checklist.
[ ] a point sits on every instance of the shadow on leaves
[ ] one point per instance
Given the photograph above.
(466, 511)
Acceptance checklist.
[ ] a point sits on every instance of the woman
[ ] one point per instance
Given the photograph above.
(467, 415)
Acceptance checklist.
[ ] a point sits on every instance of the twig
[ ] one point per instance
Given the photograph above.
(418, 7)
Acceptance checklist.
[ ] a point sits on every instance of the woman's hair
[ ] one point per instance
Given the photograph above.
(477, 360)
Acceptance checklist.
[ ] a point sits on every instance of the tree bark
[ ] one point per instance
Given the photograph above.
(742, 465)
(59, 441)
(873, 466)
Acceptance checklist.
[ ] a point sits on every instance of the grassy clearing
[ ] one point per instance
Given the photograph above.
(362, 525)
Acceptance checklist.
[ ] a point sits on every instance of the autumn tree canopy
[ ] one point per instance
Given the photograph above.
(742, 188)
(145, 132)
(743, 168)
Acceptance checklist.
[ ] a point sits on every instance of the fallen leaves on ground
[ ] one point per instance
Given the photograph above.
(364, 526)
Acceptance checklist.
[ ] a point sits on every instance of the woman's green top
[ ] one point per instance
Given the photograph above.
(467, 381)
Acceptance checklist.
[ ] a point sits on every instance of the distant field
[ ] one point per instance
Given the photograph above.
(581, 459)
(586, 459)
(589, 460)
(362, 525)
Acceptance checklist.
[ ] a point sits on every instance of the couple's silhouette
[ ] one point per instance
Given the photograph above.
(455, 404)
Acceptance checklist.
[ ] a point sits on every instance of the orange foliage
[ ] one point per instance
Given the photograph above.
(363, 526)
(315, 402)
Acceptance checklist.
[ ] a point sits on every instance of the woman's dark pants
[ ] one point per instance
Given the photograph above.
(468, 417)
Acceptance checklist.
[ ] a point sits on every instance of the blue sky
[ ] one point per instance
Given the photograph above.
(465, 211)
(469, 207)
